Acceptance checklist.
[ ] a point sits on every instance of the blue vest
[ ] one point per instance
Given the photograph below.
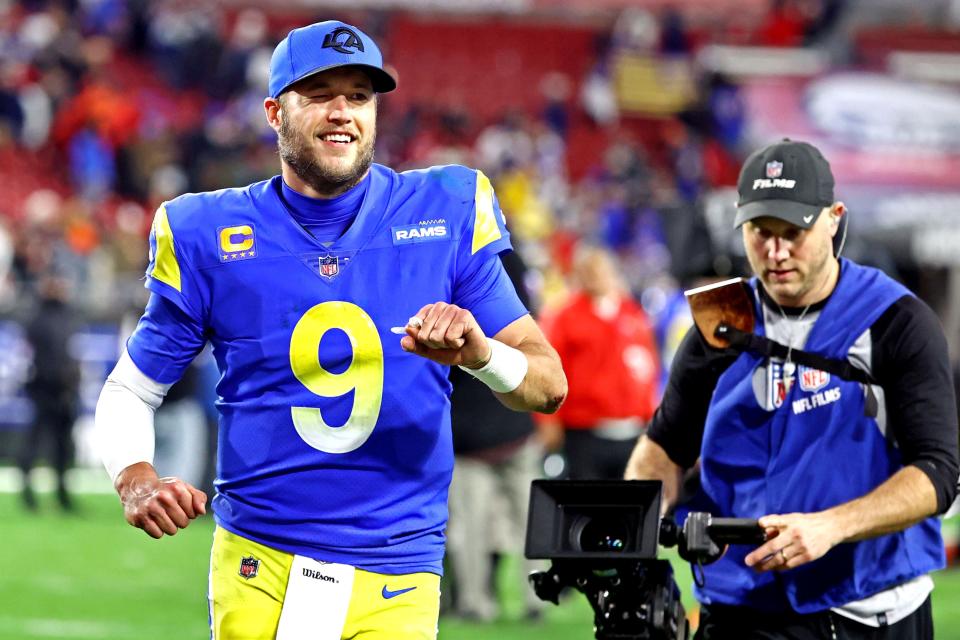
(814, 450)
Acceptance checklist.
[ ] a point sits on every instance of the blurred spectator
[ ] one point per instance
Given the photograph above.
(53, 387)
(7, 290)
(497, 456)
(686, 154)
(784, 25)
(598, 97)
(92, 165)
(37, 104)
(504, 144)
(248, 36)
(608, 352)
(556, 89)
(636, 29)
(674, 39)
(727, 112)
(182, 37)
(12, 115)
(822, 18)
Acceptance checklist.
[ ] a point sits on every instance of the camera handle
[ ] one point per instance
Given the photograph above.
(704, 538)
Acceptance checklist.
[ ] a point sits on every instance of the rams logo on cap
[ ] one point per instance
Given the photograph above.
(349, 40)
(236, 243)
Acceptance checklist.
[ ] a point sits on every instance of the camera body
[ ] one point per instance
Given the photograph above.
(602, 537)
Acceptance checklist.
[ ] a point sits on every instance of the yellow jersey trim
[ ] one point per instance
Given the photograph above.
(166, 269)
(485, 228)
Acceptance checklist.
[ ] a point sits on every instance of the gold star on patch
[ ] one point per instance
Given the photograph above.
(242, 254)
(250, 254)
(226, 257)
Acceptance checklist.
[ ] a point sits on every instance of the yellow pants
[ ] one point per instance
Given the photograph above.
(248, 582)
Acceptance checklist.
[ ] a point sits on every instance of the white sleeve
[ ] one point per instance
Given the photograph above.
(124, 418)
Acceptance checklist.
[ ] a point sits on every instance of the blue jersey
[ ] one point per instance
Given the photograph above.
(333, 442)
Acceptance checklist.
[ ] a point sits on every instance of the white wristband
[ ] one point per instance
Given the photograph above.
(506, 369)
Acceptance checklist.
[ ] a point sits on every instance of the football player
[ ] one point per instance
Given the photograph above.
(335, 296)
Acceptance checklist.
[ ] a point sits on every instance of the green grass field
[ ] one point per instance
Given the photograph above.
(92, 576)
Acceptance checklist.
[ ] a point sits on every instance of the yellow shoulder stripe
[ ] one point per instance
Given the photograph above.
(485, 228)
(166, 269)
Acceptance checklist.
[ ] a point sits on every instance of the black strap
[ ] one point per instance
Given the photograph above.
(760, 345)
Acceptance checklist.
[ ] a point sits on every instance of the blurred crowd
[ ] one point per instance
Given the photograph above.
(109, 107)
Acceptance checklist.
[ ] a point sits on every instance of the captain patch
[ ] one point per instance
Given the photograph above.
(236, 243)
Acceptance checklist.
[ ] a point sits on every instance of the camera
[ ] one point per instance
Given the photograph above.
(593, 519)
(602, 537)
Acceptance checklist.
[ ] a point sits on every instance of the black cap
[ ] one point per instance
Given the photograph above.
(787, 180)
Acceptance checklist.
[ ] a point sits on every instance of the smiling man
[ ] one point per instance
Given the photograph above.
(335, 296)
(844, 474)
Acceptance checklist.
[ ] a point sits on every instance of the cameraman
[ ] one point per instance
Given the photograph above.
(845, 477)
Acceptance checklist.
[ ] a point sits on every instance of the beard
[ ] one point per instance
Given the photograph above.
(295, 150)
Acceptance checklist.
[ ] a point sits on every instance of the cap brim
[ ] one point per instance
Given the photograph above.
(381, 81)
(796, 213)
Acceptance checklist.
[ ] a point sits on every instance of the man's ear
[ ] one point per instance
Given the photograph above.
(273, 110)
(837, 211)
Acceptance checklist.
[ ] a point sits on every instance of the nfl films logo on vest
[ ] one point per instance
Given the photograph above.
(813, 379)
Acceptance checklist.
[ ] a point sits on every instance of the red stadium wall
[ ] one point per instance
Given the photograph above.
(490, 67)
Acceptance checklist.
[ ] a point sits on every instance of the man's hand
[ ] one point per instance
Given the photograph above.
(449, 335)
(904, 499)
(158, 505)
(794, 539)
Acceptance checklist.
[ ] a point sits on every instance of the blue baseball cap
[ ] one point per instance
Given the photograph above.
(323, 46)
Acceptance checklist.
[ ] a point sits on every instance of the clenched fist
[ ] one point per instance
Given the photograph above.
(158, 505)
(447, 334)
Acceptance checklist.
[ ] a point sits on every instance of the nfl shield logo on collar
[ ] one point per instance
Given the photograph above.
(249, 566)
(774, 169)
(329, 266)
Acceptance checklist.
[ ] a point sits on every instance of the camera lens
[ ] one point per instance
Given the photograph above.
(600, 535)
